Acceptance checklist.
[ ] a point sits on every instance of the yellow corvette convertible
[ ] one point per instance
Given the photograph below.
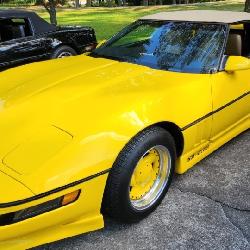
(103, 133)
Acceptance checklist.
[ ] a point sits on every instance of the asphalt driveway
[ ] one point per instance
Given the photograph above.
(206, 208)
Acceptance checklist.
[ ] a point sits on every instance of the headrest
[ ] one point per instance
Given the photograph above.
(234, 45)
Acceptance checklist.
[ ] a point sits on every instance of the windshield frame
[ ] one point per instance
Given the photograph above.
(130, 27)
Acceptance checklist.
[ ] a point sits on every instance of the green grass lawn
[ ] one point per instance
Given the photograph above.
(107, 21)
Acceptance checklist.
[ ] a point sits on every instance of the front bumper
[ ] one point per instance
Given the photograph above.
(79, 217)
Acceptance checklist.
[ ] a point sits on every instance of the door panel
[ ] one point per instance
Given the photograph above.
(27, 47)
(3, 54)
(23, 49)
(231, 100)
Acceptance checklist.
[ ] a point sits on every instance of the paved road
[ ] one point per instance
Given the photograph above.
(206, 208)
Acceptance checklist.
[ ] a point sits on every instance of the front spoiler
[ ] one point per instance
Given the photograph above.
(76, 218)
(58, 232)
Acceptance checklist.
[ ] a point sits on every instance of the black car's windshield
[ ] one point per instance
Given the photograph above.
(173, 46)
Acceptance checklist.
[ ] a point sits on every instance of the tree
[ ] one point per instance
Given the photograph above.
(247, 6)
(77, 3)
(119, 2)
(89, 3)
(50, 6)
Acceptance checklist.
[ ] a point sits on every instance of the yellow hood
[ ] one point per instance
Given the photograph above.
(63, 120)
(40, 106)
(14, 190)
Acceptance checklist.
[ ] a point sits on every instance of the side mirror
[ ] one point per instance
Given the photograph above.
(236, 63)
(101, 43)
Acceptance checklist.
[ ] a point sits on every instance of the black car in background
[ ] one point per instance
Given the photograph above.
(26, 37)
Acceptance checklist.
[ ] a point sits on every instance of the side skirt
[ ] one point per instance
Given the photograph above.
(189, 159)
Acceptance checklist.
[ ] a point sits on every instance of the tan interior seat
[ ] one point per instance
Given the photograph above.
(234, 45)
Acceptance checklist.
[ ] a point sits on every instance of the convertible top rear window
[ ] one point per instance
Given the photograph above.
(174, 46)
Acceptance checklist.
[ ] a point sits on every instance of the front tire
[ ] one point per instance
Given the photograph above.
(140, 176)
(63, 51)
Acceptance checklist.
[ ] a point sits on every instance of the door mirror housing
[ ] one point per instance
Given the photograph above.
(236, 63)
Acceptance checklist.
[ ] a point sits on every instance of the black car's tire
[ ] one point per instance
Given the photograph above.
(124, 199)
(63, 51)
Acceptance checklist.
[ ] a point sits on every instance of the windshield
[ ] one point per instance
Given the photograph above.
(173, 46)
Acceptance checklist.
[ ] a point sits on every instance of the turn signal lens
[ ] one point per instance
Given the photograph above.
(14, 217)
(71, 197)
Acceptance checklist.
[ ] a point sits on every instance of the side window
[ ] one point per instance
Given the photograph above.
(238, 43)
(235, 43)
(14, 28)
(247, 40)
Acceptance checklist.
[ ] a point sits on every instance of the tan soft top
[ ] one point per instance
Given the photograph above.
(209, 16)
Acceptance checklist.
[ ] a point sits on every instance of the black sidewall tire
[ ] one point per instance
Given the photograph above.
(119, 178)
(62, 49)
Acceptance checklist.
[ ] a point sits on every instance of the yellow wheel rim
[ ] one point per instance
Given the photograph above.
(150, 177)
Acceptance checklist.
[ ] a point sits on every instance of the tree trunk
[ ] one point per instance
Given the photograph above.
(160, 2)
(77, 3)
(174, 2)
(145, 2)
(247, 6)
(53, 19)
(50, 6)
